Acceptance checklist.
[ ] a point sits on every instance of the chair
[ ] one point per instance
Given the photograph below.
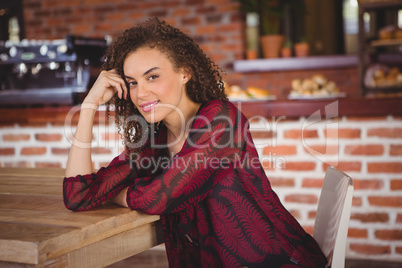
(332, 218)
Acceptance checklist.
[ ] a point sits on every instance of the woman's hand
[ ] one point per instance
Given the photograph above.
(106, 85)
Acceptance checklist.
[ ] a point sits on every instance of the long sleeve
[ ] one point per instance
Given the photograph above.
(85, 192)
(211, 150)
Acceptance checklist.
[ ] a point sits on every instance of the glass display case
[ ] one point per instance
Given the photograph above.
(380, 46)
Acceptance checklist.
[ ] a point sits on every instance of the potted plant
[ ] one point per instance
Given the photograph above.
(286, 50)
(270, 13)
(302, 48)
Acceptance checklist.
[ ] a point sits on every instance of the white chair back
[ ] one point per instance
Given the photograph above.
(333, 214)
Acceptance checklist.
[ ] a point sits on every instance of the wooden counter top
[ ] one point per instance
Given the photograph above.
(287, 108)
(36, 230)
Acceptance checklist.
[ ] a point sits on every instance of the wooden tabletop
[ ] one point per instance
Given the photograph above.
(36, 230)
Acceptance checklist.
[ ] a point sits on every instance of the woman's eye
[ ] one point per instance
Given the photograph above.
(132, 84)
(152, 77)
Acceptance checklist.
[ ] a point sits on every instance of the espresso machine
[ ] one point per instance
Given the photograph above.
(49, 72)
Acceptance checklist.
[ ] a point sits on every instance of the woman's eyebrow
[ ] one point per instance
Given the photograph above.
(150, 70)
(146, 72)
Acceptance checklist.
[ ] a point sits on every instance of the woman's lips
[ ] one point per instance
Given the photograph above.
(146, 107)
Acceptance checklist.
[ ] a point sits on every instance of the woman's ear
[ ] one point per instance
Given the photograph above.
(186, 75)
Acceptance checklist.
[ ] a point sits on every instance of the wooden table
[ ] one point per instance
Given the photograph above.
(36, 230)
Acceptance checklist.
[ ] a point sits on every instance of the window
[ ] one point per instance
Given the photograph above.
(11, 20)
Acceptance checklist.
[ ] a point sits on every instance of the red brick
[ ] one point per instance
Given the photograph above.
(281, 182)
(396, 184)
(370, 217)
(369, 249)
(193, 2)
(20, 164)
(33, 150)
(357, 201)
(54, 21)
(299, 166)
(115, 17)
(399, 218)
(262, 134)
(342, 133)
(205, 9)
(158, 13)
(398, 250)
(209, 29)
(312, 214)
(16, 137)
(47, 165)
(191, 21)
(230, 47)
(48, 137)
(357, 233)
(280, 150)
(372, 184)
(228, 7)
(60, 151)
(7, 151)
(72, 3)
(298, 134)
(233, 27)
(395, 150)
(385, 201)
(364, 149)
(393, 234)
(82, 29)
(385, 167)
(312, 183)
(179, 12)
(101, 150)
(385, 132)
(344, 166)
(302, 198)
(110, 136)
(32, 125)
(136, 16)
(322, 149)
(105, 27)
(366, 118)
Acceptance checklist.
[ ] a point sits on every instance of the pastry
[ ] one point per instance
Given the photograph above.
(257, 93)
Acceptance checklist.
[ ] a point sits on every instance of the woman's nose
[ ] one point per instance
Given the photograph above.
(142, 91)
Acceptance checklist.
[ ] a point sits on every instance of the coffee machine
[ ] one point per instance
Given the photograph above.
(49, 72)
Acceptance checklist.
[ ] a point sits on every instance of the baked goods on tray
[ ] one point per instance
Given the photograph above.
(317, 86)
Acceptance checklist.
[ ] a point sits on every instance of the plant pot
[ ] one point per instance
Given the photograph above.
(286, 52)
(251, 54)
(302, 49)
(271, 45)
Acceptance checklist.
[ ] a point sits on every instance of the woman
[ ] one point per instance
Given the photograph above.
(189, 157)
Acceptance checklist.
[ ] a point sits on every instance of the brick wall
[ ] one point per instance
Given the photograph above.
(295, 155)
(215, 24)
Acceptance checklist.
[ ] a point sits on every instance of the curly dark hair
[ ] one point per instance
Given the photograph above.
(205, 84)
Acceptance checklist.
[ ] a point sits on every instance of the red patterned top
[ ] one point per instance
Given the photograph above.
(216, 204)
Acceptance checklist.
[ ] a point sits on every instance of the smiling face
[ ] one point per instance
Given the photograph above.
(157, 89)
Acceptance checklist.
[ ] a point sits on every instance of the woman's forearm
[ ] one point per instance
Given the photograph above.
(79, 158)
